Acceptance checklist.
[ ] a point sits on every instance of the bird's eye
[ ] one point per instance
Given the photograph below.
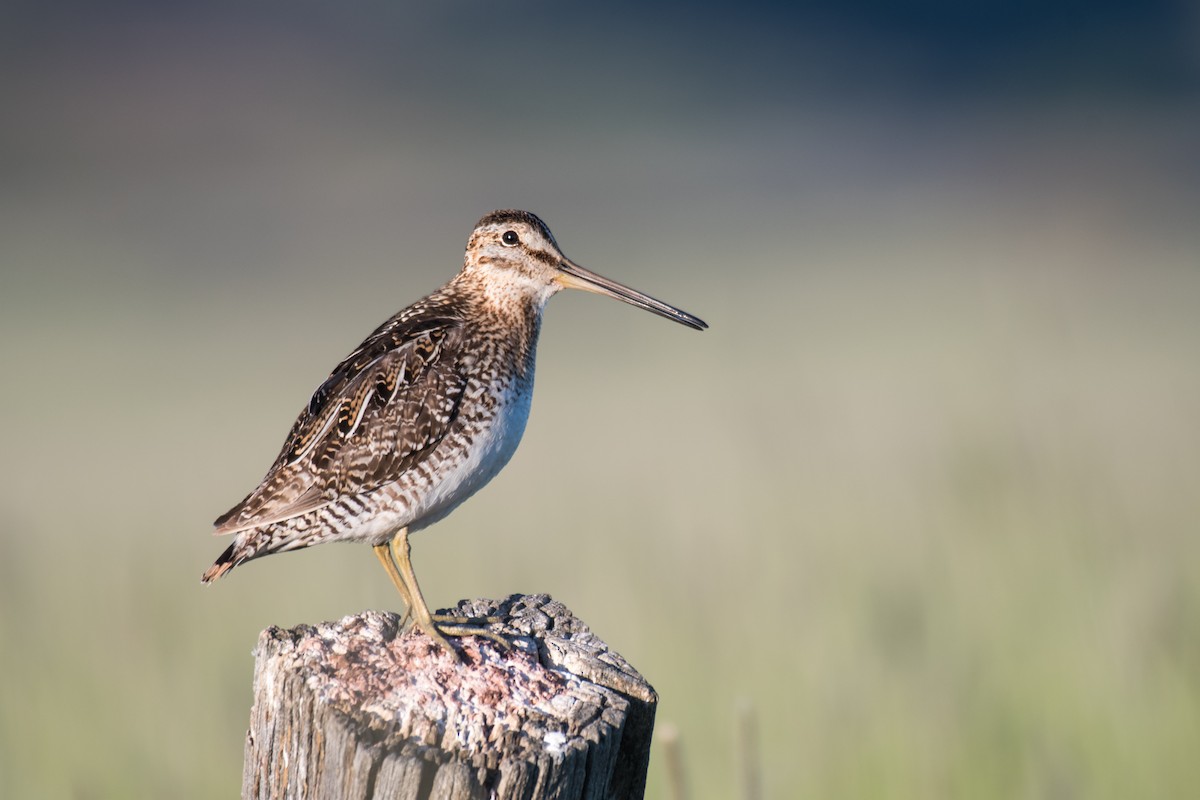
(510, 238)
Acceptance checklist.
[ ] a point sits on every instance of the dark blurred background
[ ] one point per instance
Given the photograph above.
(924, 497)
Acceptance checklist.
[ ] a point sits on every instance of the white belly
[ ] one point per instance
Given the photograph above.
(492, 445)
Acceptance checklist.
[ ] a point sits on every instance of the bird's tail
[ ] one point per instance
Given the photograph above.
(225, 562)
(253, 543)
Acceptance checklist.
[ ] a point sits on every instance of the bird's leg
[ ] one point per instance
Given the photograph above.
(383, 553)
(421, 616)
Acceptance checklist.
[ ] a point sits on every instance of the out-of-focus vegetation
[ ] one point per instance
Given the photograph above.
(924, 496)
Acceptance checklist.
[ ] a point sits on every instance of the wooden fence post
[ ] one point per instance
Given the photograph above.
(355, 709)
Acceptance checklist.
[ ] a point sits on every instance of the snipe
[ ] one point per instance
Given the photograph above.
(421, 415)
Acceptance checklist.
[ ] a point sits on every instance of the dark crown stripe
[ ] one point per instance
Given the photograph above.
(512, 215)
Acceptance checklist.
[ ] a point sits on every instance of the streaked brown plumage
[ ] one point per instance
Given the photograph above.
(422, 414)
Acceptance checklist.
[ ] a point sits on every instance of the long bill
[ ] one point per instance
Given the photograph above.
(573, 276)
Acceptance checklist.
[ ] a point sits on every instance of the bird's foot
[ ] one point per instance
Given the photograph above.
(455, 619)
(442, 631)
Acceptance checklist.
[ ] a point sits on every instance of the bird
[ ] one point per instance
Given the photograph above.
(428, 409)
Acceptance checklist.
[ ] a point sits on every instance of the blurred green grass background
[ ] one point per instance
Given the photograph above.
(924, 496)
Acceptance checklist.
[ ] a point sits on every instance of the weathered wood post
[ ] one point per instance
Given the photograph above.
(353, 709)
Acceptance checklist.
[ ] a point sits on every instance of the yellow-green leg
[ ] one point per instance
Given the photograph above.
(447, 625)
(383, 553)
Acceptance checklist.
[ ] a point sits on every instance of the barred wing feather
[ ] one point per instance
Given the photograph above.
(381, 411)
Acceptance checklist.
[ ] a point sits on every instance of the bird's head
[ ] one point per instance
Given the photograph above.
(513, 255)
